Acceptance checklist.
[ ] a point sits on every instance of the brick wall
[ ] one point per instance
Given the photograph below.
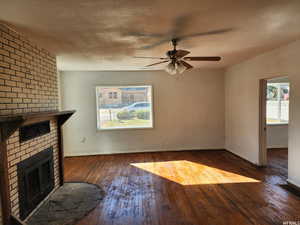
(28, 83)
(28, 75)
(18, 152)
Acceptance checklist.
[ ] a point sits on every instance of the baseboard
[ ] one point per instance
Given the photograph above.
(158, 150)
(242, 158)
(138, 151)
(293, 185)
(278, 148)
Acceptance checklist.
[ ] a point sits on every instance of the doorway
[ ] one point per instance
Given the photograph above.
(274, 121)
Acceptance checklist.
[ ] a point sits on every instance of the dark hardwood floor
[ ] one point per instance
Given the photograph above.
(186, 188)
(277, 171)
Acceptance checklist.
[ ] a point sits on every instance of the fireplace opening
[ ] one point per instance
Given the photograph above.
(36, 180)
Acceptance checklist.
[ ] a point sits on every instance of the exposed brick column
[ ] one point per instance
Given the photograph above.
(28, 75)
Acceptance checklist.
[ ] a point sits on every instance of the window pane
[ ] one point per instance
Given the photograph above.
(284, 116)
(277, 103)
(272, 92)
(285, 92)
(124, 107)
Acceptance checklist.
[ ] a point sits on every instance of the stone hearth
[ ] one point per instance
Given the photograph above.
(68, 204)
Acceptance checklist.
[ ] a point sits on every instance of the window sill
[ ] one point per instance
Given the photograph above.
(124, 128)
(277, 124)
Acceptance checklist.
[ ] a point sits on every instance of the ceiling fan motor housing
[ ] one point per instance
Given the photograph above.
(171, 54)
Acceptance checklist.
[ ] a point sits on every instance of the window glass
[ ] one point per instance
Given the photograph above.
(115, 95)
(278, 103)
(124, 107)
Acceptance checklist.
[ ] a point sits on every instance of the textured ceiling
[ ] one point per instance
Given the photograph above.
(102, 34)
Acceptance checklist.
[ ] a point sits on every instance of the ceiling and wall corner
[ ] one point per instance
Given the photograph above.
(279, 80)
(102, 35)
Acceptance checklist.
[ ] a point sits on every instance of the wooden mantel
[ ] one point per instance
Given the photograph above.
(8, 125)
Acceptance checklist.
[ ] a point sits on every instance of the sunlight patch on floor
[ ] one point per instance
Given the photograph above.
(189, 173)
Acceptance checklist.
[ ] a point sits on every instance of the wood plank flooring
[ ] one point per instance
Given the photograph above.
(186, 188)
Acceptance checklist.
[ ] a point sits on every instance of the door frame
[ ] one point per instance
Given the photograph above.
(263, 159)
(262, 140)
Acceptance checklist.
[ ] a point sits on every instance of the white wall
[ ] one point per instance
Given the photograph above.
(188, 112)
(277, 136)
(242, 103)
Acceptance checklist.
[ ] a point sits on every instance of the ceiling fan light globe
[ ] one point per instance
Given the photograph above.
(173, 72)
(171, 68)
(180, 67)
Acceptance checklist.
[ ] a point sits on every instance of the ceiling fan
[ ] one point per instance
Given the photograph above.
(176, 59)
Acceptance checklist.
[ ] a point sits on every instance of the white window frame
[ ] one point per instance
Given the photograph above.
(124, 128)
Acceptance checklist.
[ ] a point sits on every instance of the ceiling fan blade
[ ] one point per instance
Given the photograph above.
(142, 34)
(213, 32)
(178, 26)
(181, 53)
(203, 58)
(145, 57)
(157, 63)
(156, 44)
(188, 66)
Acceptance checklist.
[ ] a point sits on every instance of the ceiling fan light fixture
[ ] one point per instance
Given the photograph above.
(180, 67)
(171, 68)
(176, 59)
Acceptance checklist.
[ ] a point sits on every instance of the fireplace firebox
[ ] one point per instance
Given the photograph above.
(36, 180)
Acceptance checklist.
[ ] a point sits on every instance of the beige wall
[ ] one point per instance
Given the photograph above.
(188, 112)
(242, 101)
(277, 136)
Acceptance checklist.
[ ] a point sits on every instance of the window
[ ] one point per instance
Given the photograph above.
(278, 103)
(124, 107)
(115, 95)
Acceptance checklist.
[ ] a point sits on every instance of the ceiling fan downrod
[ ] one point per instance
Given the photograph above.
(174, 42)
